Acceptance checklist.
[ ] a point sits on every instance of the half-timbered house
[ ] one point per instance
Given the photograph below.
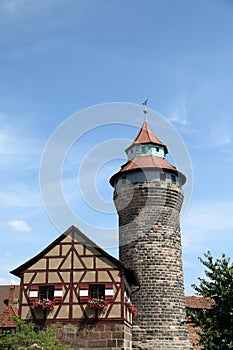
(74, 281)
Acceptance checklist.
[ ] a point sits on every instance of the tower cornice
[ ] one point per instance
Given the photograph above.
(147, 162)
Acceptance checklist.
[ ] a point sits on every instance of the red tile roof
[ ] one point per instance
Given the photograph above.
(6, 315)
(6, 320)
(195, 302)
(147, 162)
(4, 295)
(146, 135)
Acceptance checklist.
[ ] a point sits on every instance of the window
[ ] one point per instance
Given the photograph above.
(162, 176)
(123, 180)
(144, 149)
(157, 149)
(97, 291)
(46, 292)
(131, 151)
(173, 178)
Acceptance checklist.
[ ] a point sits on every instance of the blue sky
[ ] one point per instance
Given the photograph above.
(60, 57)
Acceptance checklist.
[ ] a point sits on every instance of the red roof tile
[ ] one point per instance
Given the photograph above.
(195, 302)
(147, 162)
(4, 295)
(6, 320)
(146, 135)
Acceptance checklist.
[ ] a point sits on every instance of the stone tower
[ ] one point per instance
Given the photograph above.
(148, 197)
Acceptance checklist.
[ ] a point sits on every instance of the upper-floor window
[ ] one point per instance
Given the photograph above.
(46, 292)
(144, 149)
(157, 149)
(123, 181)
(173, 179)
(97, 291)
(162, 176)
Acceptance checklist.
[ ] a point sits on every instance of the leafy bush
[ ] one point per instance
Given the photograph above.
(27, 338)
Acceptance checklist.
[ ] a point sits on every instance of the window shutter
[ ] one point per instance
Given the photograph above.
(58, 294)
(109, 292)
(83, 293)
(33, 294)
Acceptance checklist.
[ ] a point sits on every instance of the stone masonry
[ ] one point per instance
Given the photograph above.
(150, 243)
(97, 335)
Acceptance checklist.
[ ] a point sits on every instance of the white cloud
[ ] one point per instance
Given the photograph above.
(179, 114)
(19, 225)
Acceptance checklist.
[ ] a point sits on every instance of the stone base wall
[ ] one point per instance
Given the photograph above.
(106, 336)
(163, 345)
(150, 243)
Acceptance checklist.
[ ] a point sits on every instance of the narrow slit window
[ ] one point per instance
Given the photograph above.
(173, 179)
(123, 179)
(162, 176)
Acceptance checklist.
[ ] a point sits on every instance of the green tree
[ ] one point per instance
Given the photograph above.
(27, 338)
(216, 324)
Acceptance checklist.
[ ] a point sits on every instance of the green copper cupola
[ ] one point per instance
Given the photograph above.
(146, 144)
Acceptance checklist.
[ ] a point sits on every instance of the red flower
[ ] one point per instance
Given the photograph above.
(97, 303)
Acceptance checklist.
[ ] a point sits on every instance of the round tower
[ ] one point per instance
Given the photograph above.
(148, 197)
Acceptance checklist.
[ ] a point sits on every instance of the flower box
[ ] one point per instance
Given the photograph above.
(131, 308)
(97, 303)
(44, 304)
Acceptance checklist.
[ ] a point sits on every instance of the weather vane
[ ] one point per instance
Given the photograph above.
(145, 110)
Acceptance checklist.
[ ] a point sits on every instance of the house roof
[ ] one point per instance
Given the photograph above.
(146, 135)
(147, 162)
(4, 296)
(10, 310)
(6, 320)
(195, 302)
(80, 237)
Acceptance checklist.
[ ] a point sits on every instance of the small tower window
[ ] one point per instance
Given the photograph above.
(173, 179)
(157, 149)
(123, 180)
(162, 176)
(131, 151)
(144, 149)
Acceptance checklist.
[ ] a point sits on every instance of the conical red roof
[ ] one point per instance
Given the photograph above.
(146, 135)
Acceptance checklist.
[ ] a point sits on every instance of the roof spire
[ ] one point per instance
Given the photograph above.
(145, 109)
